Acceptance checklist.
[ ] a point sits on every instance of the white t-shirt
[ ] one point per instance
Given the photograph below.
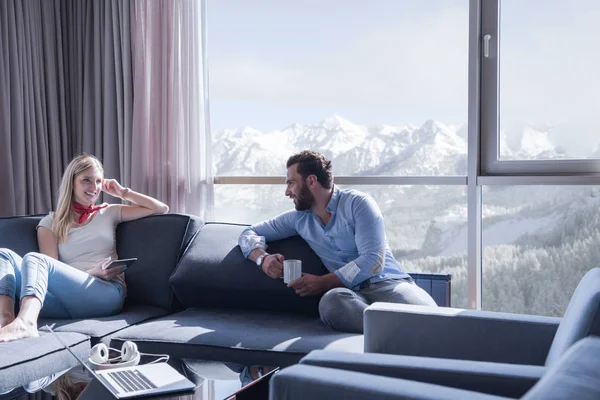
(86, 246)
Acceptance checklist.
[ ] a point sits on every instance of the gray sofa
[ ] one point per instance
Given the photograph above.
(190, 294)
(476, 353)
(158, 242)
(235, 313)
(576, 375)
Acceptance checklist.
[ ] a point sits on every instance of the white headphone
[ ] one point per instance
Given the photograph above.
(129, 357)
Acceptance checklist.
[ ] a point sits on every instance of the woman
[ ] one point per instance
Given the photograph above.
(67, 279)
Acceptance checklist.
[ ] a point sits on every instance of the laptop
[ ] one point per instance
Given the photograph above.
(140, 380)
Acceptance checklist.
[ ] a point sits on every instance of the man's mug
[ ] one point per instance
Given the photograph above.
(292, 270)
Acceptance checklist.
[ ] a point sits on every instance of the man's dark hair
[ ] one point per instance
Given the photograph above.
(313, 163)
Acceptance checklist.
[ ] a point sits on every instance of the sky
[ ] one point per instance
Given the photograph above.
(276, 62)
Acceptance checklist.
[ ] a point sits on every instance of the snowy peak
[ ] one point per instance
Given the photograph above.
(332, 136)
(528, 143)
(436, 131)
(534, 142)
(336, 123)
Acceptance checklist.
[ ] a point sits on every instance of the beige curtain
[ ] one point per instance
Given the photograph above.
(170, 154)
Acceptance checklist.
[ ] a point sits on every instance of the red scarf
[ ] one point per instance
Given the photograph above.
(85, 212)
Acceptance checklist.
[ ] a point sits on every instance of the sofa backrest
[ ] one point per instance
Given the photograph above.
(582, 317)
(157, 242)
(214, 273)
(576, 375)
(19, 233)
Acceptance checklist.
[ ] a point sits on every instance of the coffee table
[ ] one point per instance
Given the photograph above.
(214, 381)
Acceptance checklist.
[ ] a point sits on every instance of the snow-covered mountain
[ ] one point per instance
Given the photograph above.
(421, 220)
(529, 143)
(430, 149)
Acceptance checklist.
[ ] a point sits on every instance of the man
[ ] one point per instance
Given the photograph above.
(345, 229)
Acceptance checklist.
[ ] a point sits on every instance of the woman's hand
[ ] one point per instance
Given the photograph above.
(99, 271)
(112, 187)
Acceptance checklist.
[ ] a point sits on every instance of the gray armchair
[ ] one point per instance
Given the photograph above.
(484, 335)
(482, 352)
(576, 375)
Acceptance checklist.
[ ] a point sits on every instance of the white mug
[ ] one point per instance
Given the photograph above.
(292, 270)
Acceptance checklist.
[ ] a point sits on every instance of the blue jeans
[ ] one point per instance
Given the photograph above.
(65, 292)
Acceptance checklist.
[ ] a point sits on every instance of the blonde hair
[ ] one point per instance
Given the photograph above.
(64, 215)
(65, 388)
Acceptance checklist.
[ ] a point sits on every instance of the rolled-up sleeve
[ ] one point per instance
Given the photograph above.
(257, 236)
(370, 242)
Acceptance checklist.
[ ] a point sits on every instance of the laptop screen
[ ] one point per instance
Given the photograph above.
(71, 351)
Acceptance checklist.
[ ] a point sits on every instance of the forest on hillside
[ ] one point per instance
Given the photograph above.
(538, 273)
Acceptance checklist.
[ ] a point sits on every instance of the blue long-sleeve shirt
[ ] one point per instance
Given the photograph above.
(352, 245)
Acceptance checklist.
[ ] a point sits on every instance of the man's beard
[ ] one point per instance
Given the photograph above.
(305, 199)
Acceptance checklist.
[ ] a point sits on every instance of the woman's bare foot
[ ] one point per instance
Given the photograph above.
(18, 329)
(258, 371)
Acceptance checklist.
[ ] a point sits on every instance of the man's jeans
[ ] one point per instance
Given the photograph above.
(65, 292)
(342, 309)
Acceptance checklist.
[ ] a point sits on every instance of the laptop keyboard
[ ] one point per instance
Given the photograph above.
(131, 381)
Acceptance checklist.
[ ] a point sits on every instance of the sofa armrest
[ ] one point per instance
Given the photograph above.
(492, 378)
(309, 382)
(457, 333)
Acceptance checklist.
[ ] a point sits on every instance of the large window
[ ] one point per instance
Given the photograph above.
(379, 87)
(539, 92)
(426, 226)
(538, 243)
(549, 98)
(471, 123)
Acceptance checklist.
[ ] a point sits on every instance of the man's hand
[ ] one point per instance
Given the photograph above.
(308, 285)
(272, 265)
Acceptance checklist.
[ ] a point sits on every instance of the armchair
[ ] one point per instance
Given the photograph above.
(479, 351)
(575, 375)
(484, 335)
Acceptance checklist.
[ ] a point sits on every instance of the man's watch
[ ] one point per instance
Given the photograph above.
(260, 259)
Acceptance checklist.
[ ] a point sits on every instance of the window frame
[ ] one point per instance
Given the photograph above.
(484, 165)
(491, 163)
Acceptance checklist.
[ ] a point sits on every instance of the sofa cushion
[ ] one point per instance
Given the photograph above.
(157, 241)
(214, 273)
(582, 317)
(301, 382)
(575, 376)
(100, 328)
(26, 360)
(19, 233)
(245, 337)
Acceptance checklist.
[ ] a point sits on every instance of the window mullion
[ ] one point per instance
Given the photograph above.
(474, 157)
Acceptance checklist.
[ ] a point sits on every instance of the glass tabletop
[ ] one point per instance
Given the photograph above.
(213, 381)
